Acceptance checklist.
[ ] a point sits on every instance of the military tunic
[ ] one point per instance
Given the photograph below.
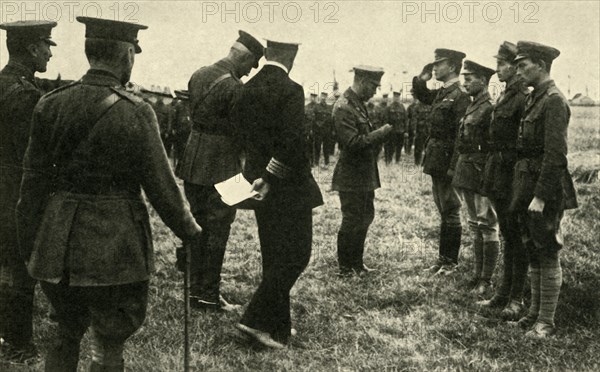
(541, 169)
(81, 214)
(18, 96)
(355, 177)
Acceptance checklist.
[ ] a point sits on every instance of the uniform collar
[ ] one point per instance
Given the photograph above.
(229, 66)
(16, 68)
(482, 97)
(542, 88)
(275, 63)
(450, 82)
(101, 77)
(353, 98)
(513, 84)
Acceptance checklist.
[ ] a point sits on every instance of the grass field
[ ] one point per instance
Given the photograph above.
(398, 319)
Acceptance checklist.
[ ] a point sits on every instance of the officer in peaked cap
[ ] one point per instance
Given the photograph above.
(83, 224)
(212, 155)
(395, 115)
(448, 106)
(28, 44)
(467, 164)
(309, 122)
(497, 183)
(322, 132)
(544, 188)
(356, 176)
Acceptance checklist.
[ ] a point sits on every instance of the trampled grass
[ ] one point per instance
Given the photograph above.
(397, 319)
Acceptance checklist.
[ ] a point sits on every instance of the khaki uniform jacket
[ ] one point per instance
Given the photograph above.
(213, 152)
(472, 144)
(18, 96)
(81, 214)
(542, 169)
(448, 106)
(418, 114)
(504, 130)
(356, 169)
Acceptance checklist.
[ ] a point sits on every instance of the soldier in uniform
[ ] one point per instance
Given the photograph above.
(542, 186)
(270, 113)
(418, 114)
(328, 132)
(448, 106)
(497, 183)
(396, 117)
(467, 164)
(356, 176)
(322, 129)
(83, 225)
(380, 118)
(181, 122)
(28, 45)
(212, 155)
(309, 122)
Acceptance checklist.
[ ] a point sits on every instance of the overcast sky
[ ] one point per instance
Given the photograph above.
(399, 36)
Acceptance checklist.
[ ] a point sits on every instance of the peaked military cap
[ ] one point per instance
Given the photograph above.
(29, 31)
(182, 94)
(448, 55)
(528, 49)
(271, 44)
(313, 94)
(507, 51)
(385, 95)
(253, 45)
(98, 28)
(471, 67)
(371, 72)
(324, 94)
(397, 94)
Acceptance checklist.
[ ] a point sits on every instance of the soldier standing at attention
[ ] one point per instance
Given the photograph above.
(543, 187)
(356, 176)
(309, 123)
(212, 155)
(448, 106)
(28, 44)
(396, 117)
(271, 114)
(468, 163)
(321, 128)
(83, 225)
(497, 184)
(418, 113)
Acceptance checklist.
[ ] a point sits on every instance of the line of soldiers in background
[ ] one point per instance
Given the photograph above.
(410, 127)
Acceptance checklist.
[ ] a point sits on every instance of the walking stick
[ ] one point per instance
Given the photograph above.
(186, 295)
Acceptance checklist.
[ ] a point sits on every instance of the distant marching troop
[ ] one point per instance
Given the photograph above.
(74, 162)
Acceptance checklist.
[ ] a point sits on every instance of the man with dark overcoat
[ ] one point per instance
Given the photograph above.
(270, 115)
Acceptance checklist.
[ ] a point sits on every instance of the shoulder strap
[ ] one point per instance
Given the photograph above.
(214, 84)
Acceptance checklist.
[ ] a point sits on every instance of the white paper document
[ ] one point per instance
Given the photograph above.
(235, 190)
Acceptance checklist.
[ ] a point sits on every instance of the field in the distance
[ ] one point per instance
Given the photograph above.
(397, 319)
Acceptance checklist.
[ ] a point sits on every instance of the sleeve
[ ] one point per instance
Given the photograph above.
(347, 132)
(21, 114)
(421, 91)
(158, 180)
(556, 121)
(36, 184)
(288, 153)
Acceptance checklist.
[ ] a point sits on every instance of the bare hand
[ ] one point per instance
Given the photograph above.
(262, 187)
(536, 207)
(387, 128)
